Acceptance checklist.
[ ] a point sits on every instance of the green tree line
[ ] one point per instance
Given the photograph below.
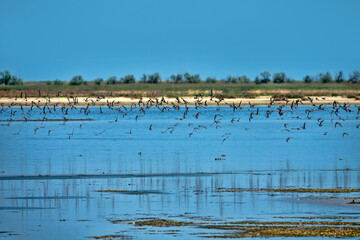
(263, 78)
(7, 79)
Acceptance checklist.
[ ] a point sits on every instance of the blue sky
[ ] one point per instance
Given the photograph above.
(47, 39)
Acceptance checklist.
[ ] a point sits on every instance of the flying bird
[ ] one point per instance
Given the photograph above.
(337, 123)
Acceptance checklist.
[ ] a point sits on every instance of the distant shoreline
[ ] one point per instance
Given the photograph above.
(126, 101)
(172, 90)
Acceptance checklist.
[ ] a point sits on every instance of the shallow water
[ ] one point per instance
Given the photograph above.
(49, 182)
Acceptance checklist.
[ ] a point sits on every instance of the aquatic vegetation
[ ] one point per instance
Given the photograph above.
(110, 237)
(246, 229)
(314, 217)
(287, 231)
(297, 190)
(131, 192)
(163, 223)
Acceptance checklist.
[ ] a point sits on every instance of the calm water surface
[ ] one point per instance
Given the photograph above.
(49, 181)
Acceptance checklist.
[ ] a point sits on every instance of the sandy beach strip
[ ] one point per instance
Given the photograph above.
(118, 101)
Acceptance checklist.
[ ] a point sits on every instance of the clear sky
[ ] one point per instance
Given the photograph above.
(47, 39)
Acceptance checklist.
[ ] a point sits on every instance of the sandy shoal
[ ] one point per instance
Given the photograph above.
(84, 101)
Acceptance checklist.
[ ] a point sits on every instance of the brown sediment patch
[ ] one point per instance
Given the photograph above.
(310, 223)
(110, 237)
(298, 190)
(286, 231)
(129, 220)
(335, 198)
(158, 222)
(114, 191)
(131, 192)
(265, 229)
(324, 217)
(199, 218)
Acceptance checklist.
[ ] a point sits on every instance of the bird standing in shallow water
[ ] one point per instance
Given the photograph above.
(100, 133)
(18, 133)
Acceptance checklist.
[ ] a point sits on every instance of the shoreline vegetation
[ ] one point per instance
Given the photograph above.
(275, 85)
(172, 90)
(276, 88)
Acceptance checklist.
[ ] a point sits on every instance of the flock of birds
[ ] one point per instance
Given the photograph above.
(282, 109)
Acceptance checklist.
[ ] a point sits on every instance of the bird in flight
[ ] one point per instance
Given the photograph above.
(337, 123)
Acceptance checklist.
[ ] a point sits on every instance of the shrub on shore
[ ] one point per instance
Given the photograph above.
(7, 79)
(77, 80)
